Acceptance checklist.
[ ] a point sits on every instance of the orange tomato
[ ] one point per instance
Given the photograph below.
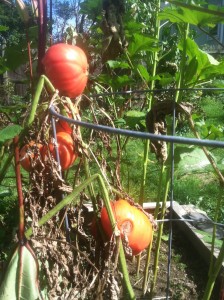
(66, 150)
(132, 222)
(29, 153)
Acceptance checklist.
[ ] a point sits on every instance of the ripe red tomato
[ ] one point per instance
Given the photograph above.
(28, 153)
(131, 222)
(66, 150)
(63, 126)
(67, 68)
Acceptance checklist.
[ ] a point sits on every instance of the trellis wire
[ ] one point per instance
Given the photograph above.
(60, 172)
(172, 139)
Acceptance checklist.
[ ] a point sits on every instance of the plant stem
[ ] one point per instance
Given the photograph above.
(19, 190)
(217, 211)
(43, 80)
(160, 231)
(149, 104)
(148, 257)
(122, 261)
(213, 274)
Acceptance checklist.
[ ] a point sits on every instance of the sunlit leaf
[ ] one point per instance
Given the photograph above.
(20, 279)
(190, 159)
(187, 15)
(144, 73)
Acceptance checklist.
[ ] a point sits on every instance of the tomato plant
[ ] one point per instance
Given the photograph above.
(66, 150)
(67, 68)
(28, 153)
(132, 222)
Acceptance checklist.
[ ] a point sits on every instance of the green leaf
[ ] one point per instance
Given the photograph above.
(3, 28)
(119, 122)
(203, 64)
(187, 15)
(191, 69)
(9, 132)
(114, 64)
(140, 42)
(190, 159)
(116, 82)
(16, 56)
(134, 118)
(143, 71)
(20, 279)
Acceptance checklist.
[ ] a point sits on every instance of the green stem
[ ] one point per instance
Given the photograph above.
(43, 80)
(130, 293)
(149, 250)
(160, 232)
(213, 274)
(217, 212)
(149, 104)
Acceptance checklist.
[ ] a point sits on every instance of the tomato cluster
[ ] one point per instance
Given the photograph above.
(67, 68)
(66, 150)
(132, 223)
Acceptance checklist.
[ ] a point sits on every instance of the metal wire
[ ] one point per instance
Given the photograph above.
(139, 134)
(199, 221)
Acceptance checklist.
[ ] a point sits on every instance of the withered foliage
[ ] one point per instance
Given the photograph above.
(156, 123)
(73, 264)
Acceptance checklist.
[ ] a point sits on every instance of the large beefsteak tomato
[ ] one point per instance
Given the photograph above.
(67, 68)
(132, 222)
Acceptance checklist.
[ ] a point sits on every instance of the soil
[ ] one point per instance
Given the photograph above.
(188, 273)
